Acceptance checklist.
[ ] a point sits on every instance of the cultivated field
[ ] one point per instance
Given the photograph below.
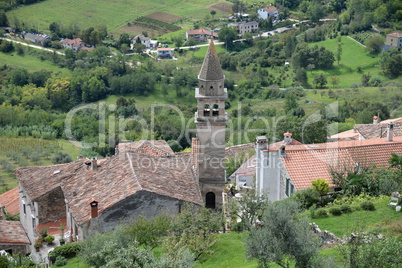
(113, 14)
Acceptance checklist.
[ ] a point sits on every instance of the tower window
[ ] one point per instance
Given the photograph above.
(215, 110)
(207, 110)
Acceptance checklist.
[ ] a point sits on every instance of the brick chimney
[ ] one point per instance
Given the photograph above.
(376, 120)
(94, 164)
(94, 208)
(390, 132)
(287, 138)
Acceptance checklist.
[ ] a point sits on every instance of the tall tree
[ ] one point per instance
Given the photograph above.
(227, 35)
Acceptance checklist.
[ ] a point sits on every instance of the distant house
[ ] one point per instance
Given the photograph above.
(394, 40)
(13, 238)
(268, 12)
(165, 53)
(36, 38)
(201, 35)
(74, 44)
(245, 27)
(146, 41)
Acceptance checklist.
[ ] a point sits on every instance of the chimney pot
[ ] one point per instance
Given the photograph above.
(94, 208)
(375, 119)
(261, 142)
(390, 132)
(287, 138)
(94, 164)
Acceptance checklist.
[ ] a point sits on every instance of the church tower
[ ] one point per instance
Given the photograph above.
(211, 120)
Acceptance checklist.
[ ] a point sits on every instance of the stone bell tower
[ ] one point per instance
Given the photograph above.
(211, 120)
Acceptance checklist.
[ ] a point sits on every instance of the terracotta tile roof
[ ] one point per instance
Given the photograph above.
(142, 37)
(396, 34)
(75, 42)
(270, 9)
(305, 163)
(346, 135)
(164, 49)
(202, 31)
(126, 174)
(11, 200)
(232, 151)
(12, 232)
(155, 148)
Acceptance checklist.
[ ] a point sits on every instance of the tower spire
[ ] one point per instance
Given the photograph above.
(211, 68)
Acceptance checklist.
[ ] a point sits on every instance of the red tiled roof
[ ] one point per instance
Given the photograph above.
(155, 147)
(12, 232)
(396, 34)
(164, 49)
(202, 31)
(270, 9)
(75, 42)
(305, 163)
(87, 48)
(11, 200)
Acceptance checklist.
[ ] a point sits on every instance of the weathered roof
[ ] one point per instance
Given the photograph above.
(12, 232)
(74, 42)
(141, 167)
(202, 31)
(371, 131)
(10, 200)
(141, 37)
(305, 163)
(396, 34)
(154, 147)
(211, 68)
(232, 151)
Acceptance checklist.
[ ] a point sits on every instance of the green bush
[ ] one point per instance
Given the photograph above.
(60, 261)
(67, 250)
(321, 213)
(367, 205)
(345, 208)
(238, 227)
(4, 261)
(336, 211)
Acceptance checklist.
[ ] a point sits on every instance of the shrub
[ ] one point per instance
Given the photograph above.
(345, 208)
(336, 211)
(67, 251)
(49, 239)
(60, 261)
(238, 227)
(321, 213)
(3, 261)
(307, 197)
(367, 205)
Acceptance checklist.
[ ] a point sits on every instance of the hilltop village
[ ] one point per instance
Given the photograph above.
(269, 131)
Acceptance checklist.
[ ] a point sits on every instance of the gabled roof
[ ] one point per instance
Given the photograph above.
(211, 68)
(371, 131)
(12, 232)
(305, 163)
(74, 42)
(11, 200)
(396, 34)
(142, 38)
(270, 9)
(140, 168)
(202, 31)
(154, 147)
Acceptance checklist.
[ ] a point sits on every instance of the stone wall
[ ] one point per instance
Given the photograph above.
(51, 206)
(15, 249)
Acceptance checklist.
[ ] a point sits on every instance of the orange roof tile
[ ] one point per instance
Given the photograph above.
(12, 232)
(11, 200)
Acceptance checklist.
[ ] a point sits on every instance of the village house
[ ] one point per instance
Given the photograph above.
(36, 38)
(268, 12)
(13, 238)
(201, 35)
(146, 41)
(74, 44)
(394, 40)
(282, 169)
(164, 52)
(245, 27)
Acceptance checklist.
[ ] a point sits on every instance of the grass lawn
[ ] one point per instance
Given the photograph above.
(353, 55)
(112, 14)
(31, 63)
(359, 220)
(73, 263)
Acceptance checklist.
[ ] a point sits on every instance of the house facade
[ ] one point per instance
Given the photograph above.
(74, 44)
(245, 27)
(394, 40)
(165, 53)
(201, 35)
(268, 12)
(283, 169)
(146, 41)
(13, 238)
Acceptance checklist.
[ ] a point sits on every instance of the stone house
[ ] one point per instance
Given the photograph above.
(165, 53)
(144, 178)
(268, 12)
(245, 27)
(146, 41)
(394, 40)
(201, 35)
(13, 238)
(283, 169)
(74, 44)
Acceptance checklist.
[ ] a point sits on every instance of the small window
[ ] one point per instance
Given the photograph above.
(24, 209)
(215, 110)
(207, 110)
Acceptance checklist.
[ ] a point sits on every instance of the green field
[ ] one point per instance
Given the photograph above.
(353, 56)
(113, 14)
(31, 63)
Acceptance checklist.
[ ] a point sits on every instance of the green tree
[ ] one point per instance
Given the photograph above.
(301, 76)
(213, 13)
(339, 49)
(375, 43)
(321, 186)
(61, 158)
(290, 102)
(3, 18)
(320, 80)
(395, 161)
(227, 35)
(284, 236)
(316, 11)
(19, 77)
(58, 92)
